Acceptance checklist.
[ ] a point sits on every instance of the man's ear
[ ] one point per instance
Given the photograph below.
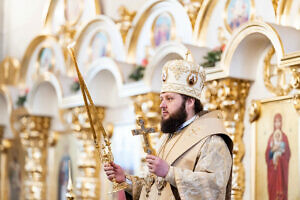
(190, 103)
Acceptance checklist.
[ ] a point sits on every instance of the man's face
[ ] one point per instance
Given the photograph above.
(170, 103)
(173, 112)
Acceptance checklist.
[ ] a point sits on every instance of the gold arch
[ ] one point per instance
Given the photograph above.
(203, 19)
(4, 91)
(134, 35)
(85, 29)
(28, 53)
(244, 31)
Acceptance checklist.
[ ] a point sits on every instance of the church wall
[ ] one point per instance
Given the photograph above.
(2, 30)
(21, 24)
(260, 11)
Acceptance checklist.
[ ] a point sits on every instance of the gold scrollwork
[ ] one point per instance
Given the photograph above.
(9, 71)
(273, 72)
(295, 81)
(229, 96)
(254, 111)
(296, 102)
(34, 139)
(192, 8)
(125, 23)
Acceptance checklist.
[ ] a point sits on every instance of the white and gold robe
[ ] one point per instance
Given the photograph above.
(200, 160)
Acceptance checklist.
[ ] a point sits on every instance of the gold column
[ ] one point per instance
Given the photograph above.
(147, 107)
(229, 96)
(87, 184)
(4, 145)
(34, 140)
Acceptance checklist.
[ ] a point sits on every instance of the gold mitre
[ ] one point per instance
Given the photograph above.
(183, 77)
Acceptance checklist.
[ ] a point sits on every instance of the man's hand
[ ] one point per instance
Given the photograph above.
(114, 171)
(157, 166)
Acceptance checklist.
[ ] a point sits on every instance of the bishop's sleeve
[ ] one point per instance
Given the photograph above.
(211, 174)
(134, 190)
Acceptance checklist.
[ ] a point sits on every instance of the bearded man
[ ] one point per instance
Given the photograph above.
(195, 160)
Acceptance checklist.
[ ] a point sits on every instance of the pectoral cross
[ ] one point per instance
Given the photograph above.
(145, 132)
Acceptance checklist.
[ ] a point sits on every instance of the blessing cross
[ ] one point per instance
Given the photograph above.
(145, 132)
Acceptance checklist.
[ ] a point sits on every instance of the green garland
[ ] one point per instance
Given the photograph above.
(138, 73)
(75, 86)
(21, 100)
(212, 58)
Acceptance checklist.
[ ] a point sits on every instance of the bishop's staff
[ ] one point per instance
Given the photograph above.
(105, 155)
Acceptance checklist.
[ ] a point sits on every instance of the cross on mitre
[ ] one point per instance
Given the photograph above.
(145, 133)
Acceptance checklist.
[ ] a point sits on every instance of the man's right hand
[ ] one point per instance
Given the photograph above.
(114, 171)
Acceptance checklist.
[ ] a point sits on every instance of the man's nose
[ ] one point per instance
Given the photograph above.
(162, 104)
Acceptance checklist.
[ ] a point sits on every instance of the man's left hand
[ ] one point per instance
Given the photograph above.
(157, 166)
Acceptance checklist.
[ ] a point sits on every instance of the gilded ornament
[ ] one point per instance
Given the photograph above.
(295, 81)
(33, 134)
(254, 111)
(145, 133)
(9, 71)
(273, 72)
(296, 102)
(192, 79)
(125, 21)
(229, 95)
(192, 8)
(164, 75)
(96, 126)
(88, 159)
(70, 194)
(275, 5)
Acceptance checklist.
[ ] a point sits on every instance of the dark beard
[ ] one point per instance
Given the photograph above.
(175, 120)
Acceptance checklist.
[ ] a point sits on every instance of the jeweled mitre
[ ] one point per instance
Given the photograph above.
(184, 77)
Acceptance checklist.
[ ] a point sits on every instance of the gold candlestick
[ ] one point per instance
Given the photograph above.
(106, 153)
(70, 194)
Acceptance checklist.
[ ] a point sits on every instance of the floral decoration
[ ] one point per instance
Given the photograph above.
(139, 70)
(22, 98)
(214, 56)
(75, 86)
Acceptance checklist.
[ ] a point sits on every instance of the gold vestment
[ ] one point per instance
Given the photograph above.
(201, 163)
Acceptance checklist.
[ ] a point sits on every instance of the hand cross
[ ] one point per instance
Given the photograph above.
(145, 132)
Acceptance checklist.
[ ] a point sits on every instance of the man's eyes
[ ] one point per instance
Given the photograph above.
(167, 98)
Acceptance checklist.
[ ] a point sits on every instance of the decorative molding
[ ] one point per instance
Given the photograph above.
(229, 95)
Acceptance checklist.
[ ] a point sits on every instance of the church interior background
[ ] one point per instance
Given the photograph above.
(250, 50)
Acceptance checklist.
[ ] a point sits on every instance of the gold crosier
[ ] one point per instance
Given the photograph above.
(106, 154)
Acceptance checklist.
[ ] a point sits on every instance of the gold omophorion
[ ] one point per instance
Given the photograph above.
(105, 155)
